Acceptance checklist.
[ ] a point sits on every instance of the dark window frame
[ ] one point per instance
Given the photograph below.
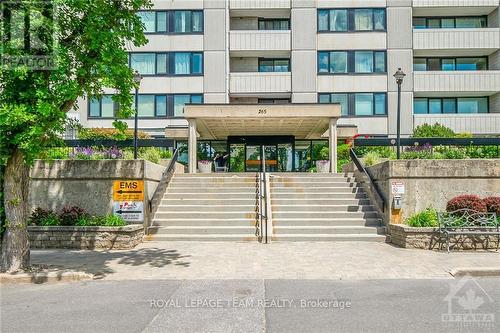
(169, 100)
(171, 63)
(456, 104)
(454, 58)
(171, 22)
(274, 65)
(351, 62)
(351, 103)
(264, 19)
(350, 20)
(440, 18)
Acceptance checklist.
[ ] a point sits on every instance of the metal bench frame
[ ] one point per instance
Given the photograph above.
(468, 222)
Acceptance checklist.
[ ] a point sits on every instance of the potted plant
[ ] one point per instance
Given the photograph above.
(323, 164)
(205, 166)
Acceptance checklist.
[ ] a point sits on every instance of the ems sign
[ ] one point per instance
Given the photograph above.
(128, 190)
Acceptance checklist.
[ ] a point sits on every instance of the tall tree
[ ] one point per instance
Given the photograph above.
(88, 39)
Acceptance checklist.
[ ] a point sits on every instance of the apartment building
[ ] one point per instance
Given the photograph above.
(305, 52)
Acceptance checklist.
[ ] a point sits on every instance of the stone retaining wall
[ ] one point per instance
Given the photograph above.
(86, 238)
(430, 239)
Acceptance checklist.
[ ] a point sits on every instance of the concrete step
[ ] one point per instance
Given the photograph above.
(203, 222)
(247, 190)
(313, 195)
(323, 207)
(317, 189)
(288, 184)
(203, 230)
(178, 183)
(319, 201)
(232, 175)
(347, 221)
(310, 175)
(227, 214)
(210, 195)
(170, 200)
(329, 238)
(341, 230)
(323, 214)
(204, 238)
(207, 208)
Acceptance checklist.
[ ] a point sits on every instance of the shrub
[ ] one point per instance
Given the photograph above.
(114, 221)
(50, 220)
(371, 158)
(112, 153)
(96, 221)
(426, 218)
(433, 131)
(109, 134)
(165, 154)
(492, 205)
(466, 201)
(41, 216)
(324, 154)
(151, 154)
(71, 215)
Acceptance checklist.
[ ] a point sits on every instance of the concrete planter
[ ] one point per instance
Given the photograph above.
(86, 238)
(323, 166)
(205, 167)
(430, 239)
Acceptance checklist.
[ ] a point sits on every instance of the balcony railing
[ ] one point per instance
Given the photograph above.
(260, 40)
(256, 83)
(446, 39)
(486, 123)
(259, 4)
(457, 81)
(455, 3)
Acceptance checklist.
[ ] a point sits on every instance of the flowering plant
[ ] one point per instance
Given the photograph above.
(112, 153)
(205, 162)
(82, 153)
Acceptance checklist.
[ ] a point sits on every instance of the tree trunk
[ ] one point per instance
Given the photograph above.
(15, 243)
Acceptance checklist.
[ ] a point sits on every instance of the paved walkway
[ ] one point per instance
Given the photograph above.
(232, 260)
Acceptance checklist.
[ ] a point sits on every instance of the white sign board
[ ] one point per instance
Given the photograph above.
(398, 188)
(130, 211)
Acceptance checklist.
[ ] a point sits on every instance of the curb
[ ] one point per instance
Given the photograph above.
(44, 277)
(474, 271)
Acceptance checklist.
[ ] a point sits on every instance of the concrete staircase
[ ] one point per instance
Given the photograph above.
(322, 207)
(207, 207)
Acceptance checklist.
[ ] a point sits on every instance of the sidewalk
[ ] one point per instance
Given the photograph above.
(232, 260)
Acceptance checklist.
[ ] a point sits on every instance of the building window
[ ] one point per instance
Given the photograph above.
(450, 22)
(172, 21)
(361, 19)
(274, 65)
(149, 105)
(358, 104)
(173, 63)
(450, 64)
(274, 101)
(274, 24)
(450, 105)
(338, 62)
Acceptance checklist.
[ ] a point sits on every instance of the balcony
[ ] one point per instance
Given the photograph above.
(260, 4)
(260, 84)
(484, 82)
(455, 3)
(487, 123)
(447, 42)
(255, 43)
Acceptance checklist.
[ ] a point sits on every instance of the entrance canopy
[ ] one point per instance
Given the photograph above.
(304, 121)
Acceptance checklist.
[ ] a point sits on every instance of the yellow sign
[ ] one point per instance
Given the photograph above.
(128, 190)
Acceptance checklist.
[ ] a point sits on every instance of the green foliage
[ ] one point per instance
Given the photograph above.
(110, 134)
(426, 218)
(73, 216)
(382, 152)
(102, 221)
(324, 154)
(165, 154)
(50, 220)
(433, 131)
(371, 158)
(151, 154)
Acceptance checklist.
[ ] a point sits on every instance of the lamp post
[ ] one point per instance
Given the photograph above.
(399, 75)
(137, 80)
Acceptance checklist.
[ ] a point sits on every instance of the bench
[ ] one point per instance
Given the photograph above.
(468, 222)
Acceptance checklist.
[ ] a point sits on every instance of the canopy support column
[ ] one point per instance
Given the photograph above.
(333, 144)
(192, 145)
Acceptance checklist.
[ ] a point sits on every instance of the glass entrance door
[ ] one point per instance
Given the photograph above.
(253, 157)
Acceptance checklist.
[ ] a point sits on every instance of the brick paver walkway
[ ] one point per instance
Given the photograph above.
(232, 260)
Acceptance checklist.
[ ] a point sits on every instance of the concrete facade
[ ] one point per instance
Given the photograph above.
(88, 184)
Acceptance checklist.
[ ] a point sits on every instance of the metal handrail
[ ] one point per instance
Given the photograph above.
(165, 180)
(378, 193)
(262, 200)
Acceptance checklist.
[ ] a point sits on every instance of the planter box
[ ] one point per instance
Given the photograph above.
(86, 238)
(430, 239)
(323, 166)
(205, 167)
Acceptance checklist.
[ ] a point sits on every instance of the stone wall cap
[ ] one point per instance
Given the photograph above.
(407, 228)
(128, 228)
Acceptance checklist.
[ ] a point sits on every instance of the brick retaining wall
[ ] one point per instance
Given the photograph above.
(430, 239)
(86, 238)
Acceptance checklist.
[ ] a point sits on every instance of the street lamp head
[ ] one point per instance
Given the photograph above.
(137, 77)
(399, 75)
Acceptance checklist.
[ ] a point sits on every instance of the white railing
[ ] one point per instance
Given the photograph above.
(457, 81)
(432, 39)
(260, 40)
(247, 83)
(259, 4)
(454, 3)
(487, 123)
